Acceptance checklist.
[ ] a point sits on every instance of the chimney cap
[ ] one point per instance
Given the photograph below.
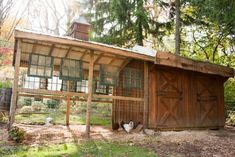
(81, 20)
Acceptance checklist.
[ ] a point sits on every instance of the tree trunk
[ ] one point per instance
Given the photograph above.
(177, 27)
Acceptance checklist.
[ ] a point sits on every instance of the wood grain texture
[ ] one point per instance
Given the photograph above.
(15, 85)
(185, 99)
(129, 109)
(169, 59)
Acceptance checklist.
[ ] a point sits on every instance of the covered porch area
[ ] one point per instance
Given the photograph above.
(69, 69)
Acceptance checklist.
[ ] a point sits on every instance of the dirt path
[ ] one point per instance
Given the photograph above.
(218, 143)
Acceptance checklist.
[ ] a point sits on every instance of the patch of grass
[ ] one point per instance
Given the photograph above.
(97, 120)
(59, 118)
(31, 119)
(86, 148)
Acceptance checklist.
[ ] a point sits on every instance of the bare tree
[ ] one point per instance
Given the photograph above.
(5, 6)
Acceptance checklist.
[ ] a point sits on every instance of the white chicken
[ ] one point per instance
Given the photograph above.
(128, 126)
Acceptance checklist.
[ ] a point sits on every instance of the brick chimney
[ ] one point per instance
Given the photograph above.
(80, 28)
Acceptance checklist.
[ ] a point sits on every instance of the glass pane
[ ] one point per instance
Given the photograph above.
(72, 64)
(34, 59)
(72, 73)
(40, 71)
(33, 70)
(65, 63)
(65, 72)
(41, 60)
(77, 74)
(48, 61)
(48, 72)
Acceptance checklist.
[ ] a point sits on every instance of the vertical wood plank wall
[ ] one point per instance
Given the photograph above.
(184, 99)
(125, 110)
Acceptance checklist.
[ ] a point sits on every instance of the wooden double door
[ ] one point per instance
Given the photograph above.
(183, 99)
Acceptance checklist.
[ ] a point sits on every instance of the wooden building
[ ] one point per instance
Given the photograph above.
(158, 89)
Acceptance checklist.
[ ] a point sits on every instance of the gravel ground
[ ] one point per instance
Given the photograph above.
(215, 143)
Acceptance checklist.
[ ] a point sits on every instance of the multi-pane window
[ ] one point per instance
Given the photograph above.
(54, 83)
(101, 89)
(71, 69)
(132, 78)
(72, 86)
(108, 75)
(40, 66)
(82, 86)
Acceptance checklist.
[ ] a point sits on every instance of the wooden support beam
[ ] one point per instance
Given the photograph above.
(117, 97)
(98, 58)
(83, 44)
(113, 60)
(51, 92)
(15, 85)
(83, 55)
(34, 47)
(89, 98)
(68, 104)
(172, 60)
(67, 53)
(51, 49)
(25, 63)
(62, 98)
(146, 95)
(124, 64)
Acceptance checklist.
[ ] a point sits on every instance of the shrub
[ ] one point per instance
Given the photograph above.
(38, 106)
(62, 108)
(5, 84)
(24, 101)
(26, 109)
(27, 101)
(229, 94)
(3, 117)
(17, 134)
(82, 107)
(231, 118)
(52, 103)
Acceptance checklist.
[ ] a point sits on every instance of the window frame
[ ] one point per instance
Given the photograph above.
(131, 81)
(51, 66)
(105, 75)
(62, 77)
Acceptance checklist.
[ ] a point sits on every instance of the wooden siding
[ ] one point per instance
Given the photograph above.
(126, 110)
(185, 99)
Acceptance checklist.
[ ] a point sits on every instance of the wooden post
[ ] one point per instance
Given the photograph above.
(89, 98)
(68, 105)
(15, 85)
(146, 97)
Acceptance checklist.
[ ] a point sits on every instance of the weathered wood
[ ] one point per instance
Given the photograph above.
(67, 53)
(89, 98)
(146, 97)
(130, 108)
(84, 44)
(118, 97)
(44, 92)
(50, 92)
(15, 85)
(51, 49)
(98, 58)
(62, 97)
(169, 59)
(68, 105)
(185, 99)
(124, 64)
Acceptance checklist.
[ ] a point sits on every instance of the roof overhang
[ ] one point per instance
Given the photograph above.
(172, 60)
(69, 41)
